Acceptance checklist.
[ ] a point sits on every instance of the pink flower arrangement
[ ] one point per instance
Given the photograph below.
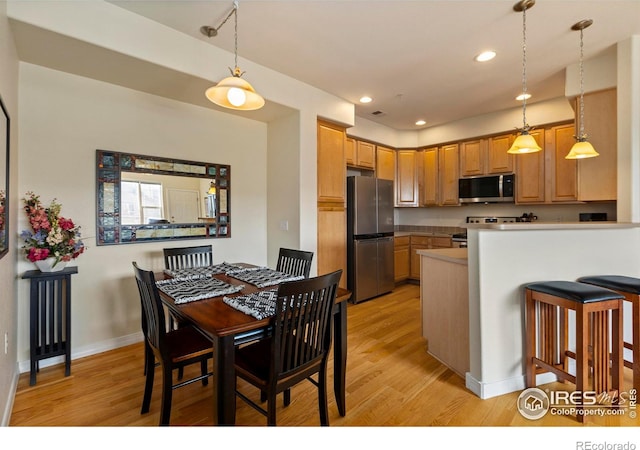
(51, 235)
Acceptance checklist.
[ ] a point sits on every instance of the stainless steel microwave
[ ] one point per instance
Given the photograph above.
(487, 189)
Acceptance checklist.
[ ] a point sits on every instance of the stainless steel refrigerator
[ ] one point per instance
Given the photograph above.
(369, 237)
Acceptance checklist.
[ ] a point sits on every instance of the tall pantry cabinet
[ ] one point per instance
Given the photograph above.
(332, 214)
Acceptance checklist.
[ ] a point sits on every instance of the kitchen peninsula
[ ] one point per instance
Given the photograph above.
(444, 306)
(502, 258)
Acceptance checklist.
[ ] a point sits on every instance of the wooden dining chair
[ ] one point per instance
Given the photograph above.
(294, 262)
(173, 349)
(187, 257)
(298, 347)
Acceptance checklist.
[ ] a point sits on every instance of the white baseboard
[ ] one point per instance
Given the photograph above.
(488, 390)
(93, 349)
(6, 414)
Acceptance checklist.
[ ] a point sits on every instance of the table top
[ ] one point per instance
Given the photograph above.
(216, 318)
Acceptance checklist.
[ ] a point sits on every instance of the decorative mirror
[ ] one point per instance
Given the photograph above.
(4, 180)
(146, 199)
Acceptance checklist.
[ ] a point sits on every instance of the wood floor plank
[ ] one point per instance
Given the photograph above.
(391, 381)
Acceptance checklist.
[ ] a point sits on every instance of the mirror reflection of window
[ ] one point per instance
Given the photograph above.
(141, 202)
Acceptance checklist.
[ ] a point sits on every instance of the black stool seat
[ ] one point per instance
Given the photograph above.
(577, 292)
(615, 282)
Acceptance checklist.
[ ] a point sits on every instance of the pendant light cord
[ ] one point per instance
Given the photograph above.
(524, 68)
(235, 49)
(581, 135)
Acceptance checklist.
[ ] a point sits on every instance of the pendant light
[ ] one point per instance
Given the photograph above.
(582, 148)
(233, 92)
(524, 143)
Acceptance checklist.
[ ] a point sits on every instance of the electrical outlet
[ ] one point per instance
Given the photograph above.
(6, 343)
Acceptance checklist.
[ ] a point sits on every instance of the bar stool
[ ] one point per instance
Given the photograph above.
(547, 305)
(629, 288)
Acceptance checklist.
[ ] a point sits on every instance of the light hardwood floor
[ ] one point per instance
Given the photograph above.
(391, 381)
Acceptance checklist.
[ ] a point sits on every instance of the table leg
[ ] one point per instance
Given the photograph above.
(224, 381)
(340, 357)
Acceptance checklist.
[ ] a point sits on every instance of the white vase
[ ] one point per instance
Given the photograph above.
(47, 265)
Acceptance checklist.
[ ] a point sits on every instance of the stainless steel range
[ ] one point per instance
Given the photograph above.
(460, 239)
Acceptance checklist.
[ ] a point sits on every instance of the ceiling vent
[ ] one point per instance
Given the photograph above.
(377, 113)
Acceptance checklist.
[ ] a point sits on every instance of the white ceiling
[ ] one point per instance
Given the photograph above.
(415, 58)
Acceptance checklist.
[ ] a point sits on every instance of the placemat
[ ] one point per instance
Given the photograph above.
(263, 276)
(189, 290)
(201, 272)
(260, 304)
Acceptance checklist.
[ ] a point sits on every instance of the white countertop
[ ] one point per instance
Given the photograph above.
(551, 225)
(454, 255)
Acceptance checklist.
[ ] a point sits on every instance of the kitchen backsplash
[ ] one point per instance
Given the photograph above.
(455, 216)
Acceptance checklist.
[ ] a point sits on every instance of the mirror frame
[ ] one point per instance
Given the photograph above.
(110, 230)
(4, 199)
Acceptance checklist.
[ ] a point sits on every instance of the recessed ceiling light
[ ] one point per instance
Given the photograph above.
(522, 97)
(420, 122)
(486, 56)
(366, 99)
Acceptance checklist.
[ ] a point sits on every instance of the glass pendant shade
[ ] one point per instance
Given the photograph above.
(235, 93)
(581, 150)
(525, 143)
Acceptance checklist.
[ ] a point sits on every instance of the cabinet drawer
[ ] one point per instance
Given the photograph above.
(441, 242)
(420, 240)
(401, 241)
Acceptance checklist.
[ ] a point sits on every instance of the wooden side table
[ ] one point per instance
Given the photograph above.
(50, 317)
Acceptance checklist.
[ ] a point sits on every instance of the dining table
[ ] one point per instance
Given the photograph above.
(228, 327)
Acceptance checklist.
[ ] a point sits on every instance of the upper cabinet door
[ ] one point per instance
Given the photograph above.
(385, 163)
(449, 174)
(472, 158)
(365, 154)
(530, 173)
(332, 170)
(498, 160)
(350, 150)
(407, 181)
(430, 178)
(562, 172)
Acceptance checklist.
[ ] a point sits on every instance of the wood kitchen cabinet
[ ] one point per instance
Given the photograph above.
(332, 214)
(472, 157)
(385, 163)
(401, 258)
(448, 174)
(429, 178)
(498, 160)
(530, 173)
(332, 171)
(546, 176)
(486, 156)
(360, 154)
(562, 172)
(597, 177)
(407, 178)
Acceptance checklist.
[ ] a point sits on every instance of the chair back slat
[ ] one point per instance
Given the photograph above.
(187, 257)
(153, 319)
(294, 262)
(302, 329)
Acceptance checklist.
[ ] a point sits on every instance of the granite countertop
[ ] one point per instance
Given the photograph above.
(453, 255)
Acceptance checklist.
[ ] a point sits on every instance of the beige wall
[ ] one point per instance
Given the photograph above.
(8, 304)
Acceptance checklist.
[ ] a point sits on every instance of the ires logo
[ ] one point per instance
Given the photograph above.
(534, 403)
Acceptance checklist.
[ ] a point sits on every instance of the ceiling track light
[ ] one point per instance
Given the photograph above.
(524, 143)
(232, 92)
(582, 148)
